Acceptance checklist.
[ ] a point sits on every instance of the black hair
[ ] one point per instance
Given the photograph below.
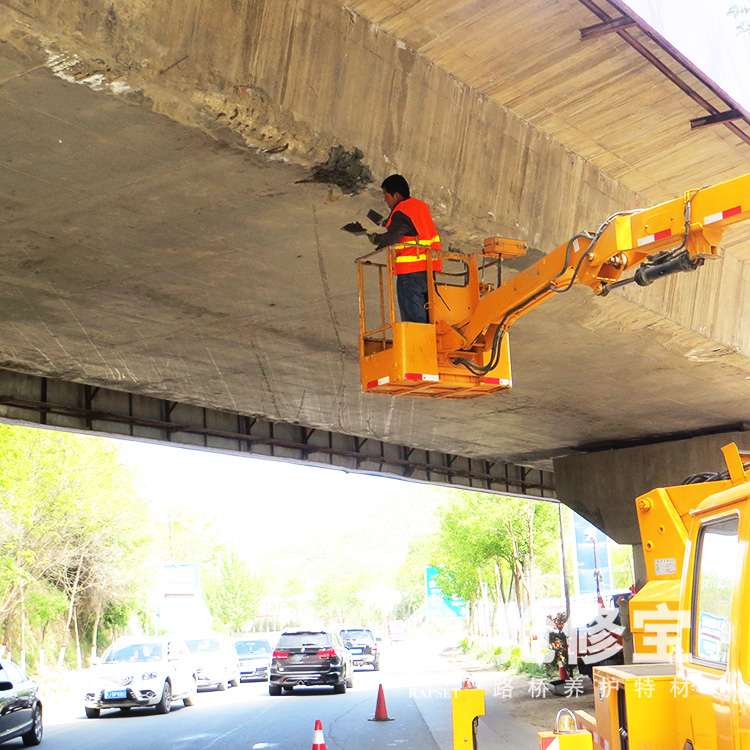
(395, 183)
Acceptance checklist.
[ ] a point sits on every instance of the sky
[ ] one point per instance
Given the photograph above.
(261, 505)
(705, 32)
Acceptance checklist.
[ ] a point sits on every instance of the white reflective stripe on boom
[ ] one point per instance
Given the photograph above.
(722, 215)
(654, 237)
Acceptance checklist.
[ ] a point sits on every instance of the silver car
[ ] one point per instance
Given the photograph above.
(255, 657)
(148, 671)
(20, 705)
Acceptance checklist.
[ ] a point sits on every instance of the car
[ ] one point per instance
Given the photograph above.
(363, 646)
(255, 657)
(146, 671)
(20, 705)
(216, 662)
(310, 658)
(396, 631)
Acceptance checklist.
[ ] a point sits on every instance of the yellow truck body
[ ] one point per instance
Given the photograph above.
(694, 615)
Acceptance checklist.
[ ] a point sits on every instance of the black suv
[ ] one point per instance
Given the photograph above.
(363, 646)
(310, 657)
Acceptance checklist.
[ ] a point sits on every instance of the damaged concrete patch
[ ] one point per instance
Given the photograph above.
(343, 168)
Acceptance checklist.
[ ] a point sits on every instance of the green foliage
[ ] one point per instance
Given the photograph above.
(337, 597)
(622, 566)
(186, 536)
(516, 663)
(44, 604)
(231, 591)
(71, 524)
(740, 13)
(478, 530)
(115, 615)
(410, 576)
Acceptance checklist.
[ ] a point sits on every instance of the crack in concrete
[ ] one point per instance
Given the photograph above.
(223, 380)
(341, 386)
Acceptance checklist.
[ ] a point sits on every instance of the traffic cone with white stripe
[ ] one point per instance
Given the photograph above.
(319, 742)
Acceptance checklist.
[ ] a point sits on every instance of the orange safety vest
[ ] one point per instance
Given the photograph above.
(410, 256)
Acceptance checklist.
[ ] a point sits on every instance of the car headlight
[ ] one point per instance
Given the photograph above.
(148, 676)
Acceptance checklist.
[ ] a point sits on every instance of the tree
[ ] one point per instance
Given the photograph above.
(45, 604)
(231, 591)
(69, 519)
(410, 576)
(498, 538)
(741, 14)
(337, 597)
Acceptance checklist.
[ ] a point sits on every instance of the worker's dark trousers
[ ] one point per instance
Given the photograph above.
(411, 291)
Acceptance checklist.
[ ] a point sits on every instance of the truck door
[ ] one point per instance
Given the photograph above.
(710, 664)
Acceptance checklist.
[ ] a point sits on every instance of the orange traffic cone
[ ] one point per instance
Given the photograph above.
(381, 712)
(319, 742)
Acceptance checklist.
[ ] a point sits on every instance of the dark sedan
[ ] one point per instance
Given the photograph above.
(20, 705)
(363, 646)
(310, 658)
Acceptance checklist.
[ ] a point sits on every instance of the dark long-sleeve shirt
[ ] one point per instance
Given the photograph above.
(401, 226)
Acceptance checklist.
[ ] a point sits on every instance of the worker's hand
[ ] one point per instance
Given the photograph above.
(373, 237)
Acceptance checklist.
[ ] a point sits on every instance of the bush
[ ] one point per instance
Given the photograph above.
(517, 664)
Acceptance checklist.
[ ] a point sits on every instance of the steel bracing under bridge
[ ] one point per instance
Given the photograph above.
(65, 405)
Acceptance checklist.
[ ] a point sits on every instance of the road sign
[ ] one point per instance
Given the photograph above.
(438, 603)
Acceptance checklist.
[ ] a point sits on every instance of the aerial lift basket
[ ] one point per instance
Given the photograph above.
(398, 358)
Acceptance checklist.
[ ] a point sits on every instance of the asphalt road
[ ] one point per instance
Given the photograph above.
(417, 685)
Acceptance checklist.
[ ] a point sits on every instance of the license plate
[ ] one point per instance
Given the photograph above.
(115, 694)
(356, 650)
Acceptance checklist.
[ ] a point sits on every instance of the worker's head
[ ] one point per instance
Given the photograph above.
(395, 189)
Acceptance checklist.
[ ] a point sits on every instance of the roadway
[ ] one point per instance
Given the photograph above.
(417, 685)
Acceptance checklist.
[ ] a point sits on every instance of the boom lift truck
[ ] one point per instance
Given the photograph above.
(689, 685)
(693, 693)
(694, 615)
(464, 352)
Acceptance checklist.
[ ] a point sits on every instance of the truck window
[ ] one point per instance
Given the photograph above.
(714, 579)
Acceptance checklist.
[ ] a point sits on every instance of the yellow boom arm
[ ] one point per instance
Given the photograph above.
(687, 230)
(464, 351)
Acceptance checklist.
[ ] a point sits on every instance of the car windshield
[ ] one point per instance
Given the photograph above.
(252, 647)
(204, 645)
(356, 635)
(133, 652)
(288, 640)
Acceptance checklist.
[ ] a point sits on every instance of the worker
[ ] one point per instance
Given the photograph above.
(410, 229)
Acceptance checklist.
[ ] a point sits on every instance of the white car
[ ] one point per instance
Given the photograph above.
(147, 671)
(215, 660)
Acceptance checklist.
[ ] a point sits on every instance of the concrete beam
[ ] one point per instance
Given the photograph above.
(75, 407)
(603, 486)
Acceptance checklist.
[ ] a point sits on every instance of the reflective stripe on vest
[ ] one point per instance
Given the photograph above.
(409, 259)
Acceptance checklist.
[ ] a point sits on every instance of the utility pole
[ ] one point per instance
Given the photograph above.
(566, 584)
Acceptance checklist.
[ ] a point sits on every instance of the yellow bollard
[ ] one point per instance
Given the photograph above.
(566, 735)
(468, 706)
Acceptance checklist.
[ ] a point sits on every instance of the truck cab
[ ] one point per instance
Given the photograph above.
(714, 709)
(689, 686)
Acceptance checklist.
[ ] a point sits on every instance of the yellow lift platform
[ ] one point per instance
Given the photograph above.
(464, 351)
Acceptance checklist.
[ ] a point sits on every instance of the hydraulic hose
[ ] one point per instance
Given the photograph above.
(662, 265)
